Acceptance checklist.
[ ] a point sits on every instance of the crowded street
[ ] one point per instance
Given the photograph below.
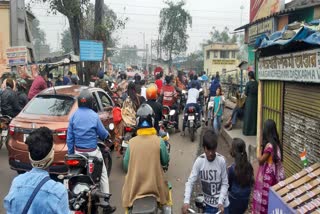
(160, 107)
(183, 154)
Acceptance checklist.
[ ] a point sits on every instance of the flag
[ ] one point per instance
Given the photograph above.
(303, 157)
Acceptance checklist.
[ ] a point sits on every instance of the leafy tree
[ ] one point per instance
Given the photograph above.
(223, 37)
(104, 30)
(66, 41)
(174, 21)
(41, 48)
(195, 61)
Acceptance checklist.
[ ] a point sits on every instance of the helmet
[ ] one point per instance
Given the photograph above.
(152, 92)
(145, 116)
(85, 99)
(74, 79)
(168, 79)
(21, 84)
(101, 74)
(137, 77)
(123, 75)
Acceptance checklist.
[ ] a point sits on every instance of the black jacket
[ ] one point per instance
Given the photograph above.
(9, 103)
(22, 99)
(157, 109)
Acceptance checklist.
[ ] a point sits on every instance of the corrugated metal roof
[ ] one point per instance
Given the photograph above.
(289, 9)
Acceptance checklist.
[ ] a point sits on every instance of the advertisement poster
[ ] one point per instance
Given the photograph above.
(17, 55)
(263, 8)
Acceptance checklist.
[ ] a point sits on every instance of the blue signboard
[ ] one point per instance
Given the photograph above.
(277, 205)
(91, 50)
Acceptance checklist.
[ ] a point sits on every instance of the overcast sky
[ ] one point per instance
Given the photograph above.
(144, 19)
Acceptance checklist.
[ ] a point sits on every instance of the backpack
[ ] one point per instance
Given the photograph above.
(128, 112)
(116, 113)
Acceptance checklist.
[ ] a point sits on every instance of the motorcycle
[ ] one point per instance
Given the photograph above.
(129, 132)
(183, 99)
(168, 121)
(4, 128)
(149, 205)
(191, 121)
(83, 183)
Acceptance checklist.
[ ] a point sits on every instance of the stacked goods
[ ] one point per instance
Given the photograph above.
(299, 193)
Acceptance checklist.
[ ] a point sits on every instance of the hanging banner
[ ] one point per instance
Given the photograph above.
(297, 67)
(91, 50)
(263, 8)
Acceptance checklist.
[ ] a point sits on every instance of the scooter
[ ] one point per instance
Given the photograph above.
(83, 183)
(4, 128)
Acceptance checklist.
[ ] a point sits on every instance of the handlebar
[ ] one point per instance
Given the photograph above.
(99, 194)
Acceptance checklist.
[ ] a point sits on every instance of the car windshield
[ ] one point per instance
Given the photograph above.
(51, 105)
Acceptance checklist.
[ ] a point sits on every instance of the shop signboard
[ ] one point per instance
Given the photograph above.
(265, 27)
(298, 67)
(17, 55)
(223, 61)
(263, 8)
(91, 50)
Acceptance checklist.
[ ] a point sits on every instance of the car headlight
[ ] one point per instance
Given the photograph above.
(80, 187)
(111, 126)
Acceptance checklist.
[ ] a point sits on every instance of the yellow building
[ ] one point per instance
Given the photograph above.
(222, 58)
(4, 34)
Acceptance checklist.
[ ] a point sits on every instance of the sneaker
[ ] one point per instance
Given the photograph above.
(109, 209)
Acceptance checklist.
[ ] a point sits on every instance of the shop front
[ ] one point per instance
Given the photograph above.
(290, 95)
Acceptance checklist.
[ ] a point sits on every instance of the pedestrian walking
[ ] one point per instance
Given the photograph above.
(240, 176)
(211, 168)
(270, 170)
(218, 110)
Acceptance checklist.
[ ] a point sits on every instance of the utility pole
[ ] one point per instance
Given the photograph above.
(241, 8)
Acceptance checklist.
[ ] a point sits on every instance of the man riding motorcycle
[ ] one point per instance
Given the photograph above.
(143, 161)
(193, 95)
(152, 95)
(84, 127)
(169, 97)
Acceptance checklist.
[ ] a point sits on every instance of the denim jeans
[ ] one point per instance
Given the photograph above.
(214, 210)
(236, 113)
(217, 123)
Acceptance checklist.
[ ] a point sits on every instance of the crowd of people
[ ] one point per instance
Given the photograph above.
(139, 104)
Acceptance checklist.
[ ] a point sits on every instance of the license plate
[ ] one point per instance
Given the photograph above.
(4, 133)
(66, 183)
(25, 137)
(190, 117)
(124, 144)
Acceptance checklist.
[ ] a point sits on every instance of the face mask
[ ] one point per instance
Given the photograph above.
(45, 162)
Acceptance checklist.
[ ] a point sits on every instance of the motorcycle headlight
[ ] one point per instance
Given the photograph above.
(80, 187)
(111, 126)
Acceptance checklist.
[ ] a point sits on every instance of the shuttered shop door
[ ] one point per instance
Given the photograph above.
(272, 102)
(301, 125)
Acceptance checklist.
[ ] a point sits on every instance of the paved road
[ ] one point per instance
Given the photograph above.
(183, 153)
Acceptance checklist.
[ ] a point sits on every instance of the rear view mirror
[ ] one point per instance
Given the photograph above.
(172, 112)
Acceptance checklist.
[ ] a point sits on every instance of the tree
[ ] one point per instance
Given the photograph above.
(174, 21)
(66, 41)
(41, 48)
(223, 37)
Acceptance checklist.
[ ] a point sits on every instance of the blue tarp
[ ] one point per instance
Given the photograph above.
(304, 34)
